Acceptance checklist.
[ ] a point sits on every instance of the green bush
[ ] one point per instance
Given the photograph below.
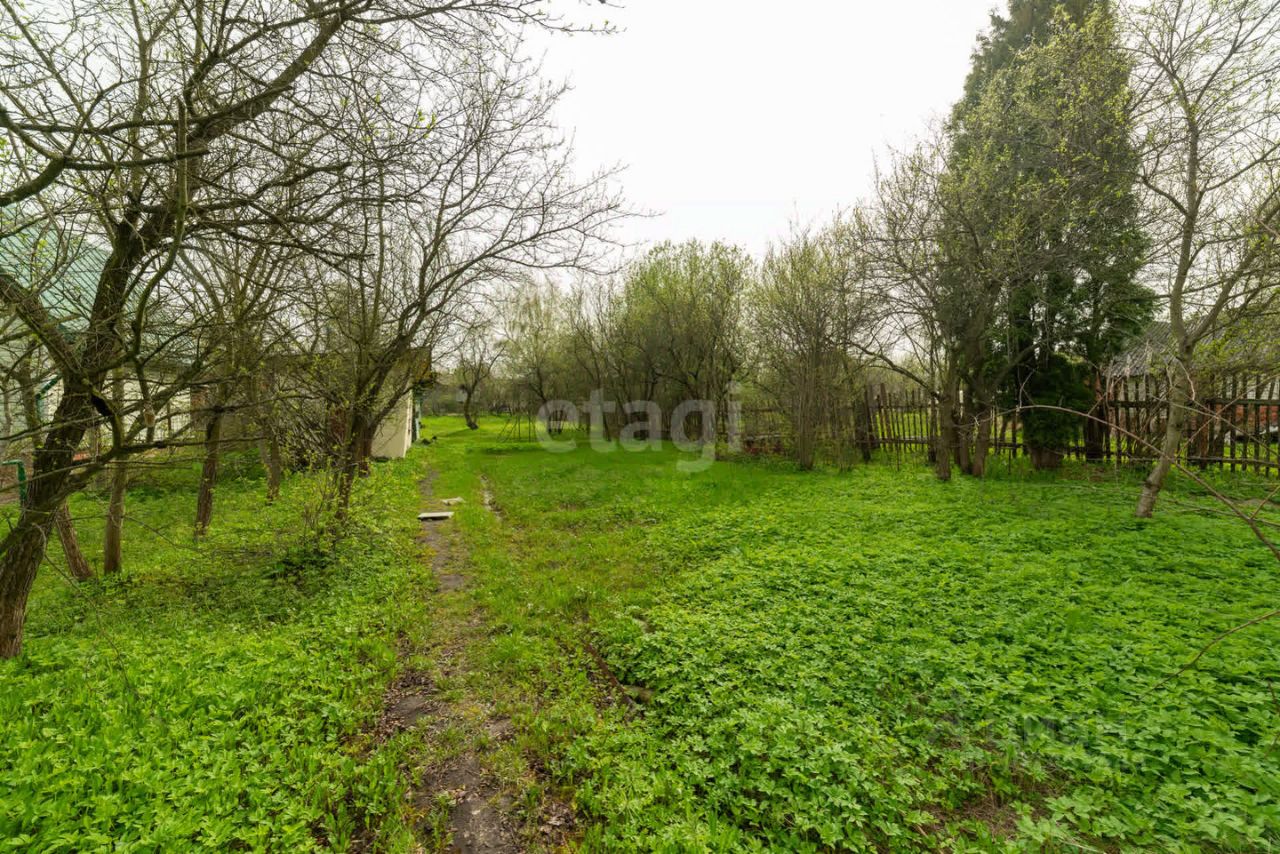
(1063, 384)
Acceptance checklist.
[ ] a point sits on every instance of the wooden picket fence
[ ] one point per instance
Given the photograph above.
(1234, 424)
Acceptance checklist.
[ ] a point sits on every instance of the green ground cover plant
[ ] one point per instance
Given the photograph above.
(744, 658)
(873, 660)
(215, 697)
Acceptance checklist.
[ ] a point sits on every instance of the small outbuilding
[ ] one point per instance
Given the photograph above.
(397, 431)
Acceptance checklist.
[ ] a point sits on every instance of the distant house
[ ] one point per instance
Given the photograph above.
(64, 273)
(398, 431)
(1151, 352)
(313, 422)
(1247, 352)
(1235, 382)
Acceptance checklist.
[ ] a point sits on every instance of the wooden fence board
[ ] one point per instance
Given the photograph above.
(1234, 424)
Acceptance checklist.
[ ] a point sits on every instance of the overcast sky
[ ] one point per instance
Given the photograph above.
(736, 117)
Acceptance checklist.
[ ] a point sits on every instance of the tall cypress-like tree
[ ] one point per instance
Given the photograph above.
(1042, 181)
(1026, 23)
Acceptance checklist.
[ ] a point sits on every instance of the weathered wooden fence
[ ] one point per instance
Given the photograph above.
(1233, 424)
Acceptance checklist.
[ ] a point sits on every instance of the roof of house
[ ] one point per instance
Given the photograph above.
(63, 270)
(1249, 343)
(1152, 349)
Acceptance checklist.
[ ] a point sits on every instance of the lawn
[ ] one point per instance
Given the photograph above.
(215, 697)
(743, 658)
(871, 659)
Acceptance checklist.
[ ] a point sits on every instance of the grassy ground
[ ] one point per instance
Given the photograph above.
(868, 660)
(742, 658)
(216, 697)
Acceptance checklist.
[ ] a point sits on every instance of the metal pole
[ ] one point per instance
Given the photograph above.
(22, 477)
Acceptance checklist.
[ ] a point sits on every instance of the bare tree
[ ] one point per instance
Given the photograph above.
(587, 339)
(1205, 80)
(238, 285)
(929, 322)
(492, 197)
(810, 307)
(536, 356)
(478, 353)
(145, 124)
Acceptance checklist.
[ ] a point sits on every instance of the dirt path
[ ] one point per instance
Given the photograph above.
(462, 804)
(465, 807)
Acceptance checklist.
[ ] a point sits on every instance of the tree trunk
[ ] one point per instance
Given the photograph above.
(1179, 395)
(113, 536)
(24, 546)
(805, 426)
(1097, 427)
(209, 472)
(269, 451)
(364, 456)
(24, 549)
(865, 426)
(77, 565)
(269, 440)
(466, 413)
(948, 439)
(1045, 459)
(963, 445)
(981, 443)
(1095, 434)
(804, 447)
(347, 473)
(354, 462)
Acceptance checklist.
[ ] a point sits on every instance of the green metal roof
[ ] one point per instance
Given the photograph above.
(64, 270)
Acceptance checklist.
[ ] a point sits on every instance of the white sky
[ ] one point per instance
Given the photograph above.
(736, 117)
